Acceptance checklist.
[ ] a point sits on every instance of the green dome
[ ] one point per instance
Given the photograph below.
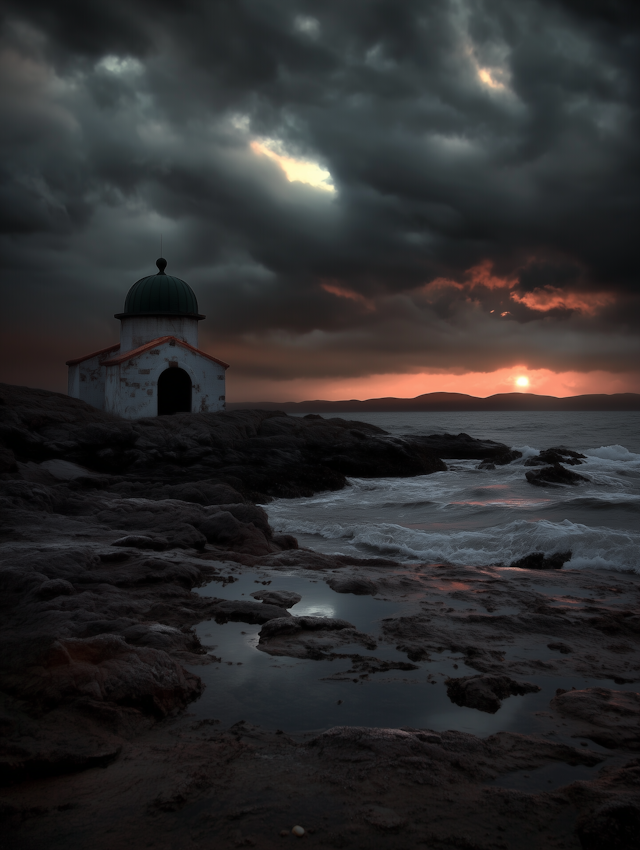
(160, 294)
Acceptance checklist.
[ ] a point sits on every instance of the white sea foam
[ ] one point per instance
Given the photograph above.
(477, 516)
(591, 547)
(618, 453)
(527, 452)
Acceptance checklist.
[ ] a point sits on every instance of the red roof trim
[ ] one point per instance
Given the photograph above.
(95, 354)
(129, 355)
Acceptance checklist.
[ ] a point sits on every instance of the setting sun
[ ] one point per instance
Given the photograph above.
(522, 381)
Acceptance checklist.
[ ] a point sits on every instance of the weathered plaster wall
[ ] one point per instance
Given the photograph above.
(137, 330)
(131, 387)
(87, 381)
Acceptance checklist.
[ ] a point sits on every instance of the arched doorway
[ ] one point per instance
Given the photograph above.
(174, 392)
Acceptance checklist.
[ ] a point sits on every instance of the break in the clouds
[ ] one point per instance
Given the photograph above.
(353, 189)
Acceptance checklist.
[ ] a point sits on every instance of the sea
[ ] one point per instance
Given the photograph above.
(481, 517)
(468, 516)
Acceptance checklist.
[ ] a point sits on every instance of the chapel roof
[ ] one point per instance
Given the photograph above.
(117, 359)
(102, 351)
(160, 294)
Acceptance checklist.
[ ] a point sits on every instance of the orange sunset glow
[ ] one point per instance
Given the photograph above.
(539, 381)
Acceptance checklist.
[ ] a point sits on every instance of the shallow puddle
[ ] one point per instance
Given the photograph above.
(298, 695)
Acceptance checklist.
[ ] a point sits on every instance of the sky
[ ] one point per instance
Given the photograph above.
(369, 198)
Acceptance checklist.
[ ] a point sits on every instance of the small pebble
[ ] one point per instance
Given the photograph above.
(298, 830)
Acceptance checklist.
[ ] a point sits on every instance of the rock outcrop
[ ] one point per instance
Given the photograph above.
(353, 584)
(464, 447)
(282, 598)
(558, 454)
(540, 561)
(610, 718)
(554, 476)
(486, 692)
(259, 453)
(211, 458)
(310, 637)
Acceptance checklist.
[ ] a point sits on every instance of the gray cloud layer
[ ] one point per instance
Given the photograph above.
(483, 155)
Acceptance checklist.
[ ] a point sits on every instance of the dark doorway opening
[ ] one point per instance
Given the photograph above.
(174, 392)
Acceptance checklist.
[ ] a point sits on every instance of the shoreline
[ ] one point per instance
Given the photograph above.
(107, 736)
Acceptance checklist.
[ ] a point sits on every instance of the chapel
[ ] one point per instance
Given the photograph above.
(157, 367)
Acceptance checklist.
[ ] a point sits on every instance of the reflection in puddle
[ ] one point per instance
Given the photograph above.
(303, 694)
(313, 610)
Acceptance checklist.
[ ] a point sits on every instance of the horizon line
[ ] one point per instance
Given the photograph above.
(436, 393)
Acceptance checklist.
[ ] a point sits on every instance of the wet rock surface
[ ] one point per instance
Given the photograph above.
(283, 598)
(554, 476)
(107, 529)
(464, 447)
(540, 561)
(247, 612)
(613, 826)
(610, 718)
(486, 692)
(202, 457)
(559, 454)
(310, 637)
(347, 787)
(357, 586)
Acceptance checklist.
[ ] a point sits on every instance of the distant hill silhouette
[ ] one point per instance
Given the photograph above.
(449, 402)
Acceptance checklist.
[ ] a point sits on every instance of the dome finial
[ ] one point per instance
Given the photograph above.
(161, 263)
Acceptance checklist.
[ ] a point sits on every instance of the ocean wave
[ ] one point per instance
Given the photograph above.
(596, 548)
(605, 502)
(618, 453)
(527, 452)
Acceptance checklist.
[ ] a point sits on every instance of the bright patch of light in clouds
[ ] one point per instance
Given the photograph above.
(120, 65)
(301, 170)
(307, 25)
(495, 75)
(489, 80)
(522, 381)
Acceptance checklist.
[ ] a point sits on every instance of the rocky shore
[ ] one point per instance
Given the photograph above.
(108, 526)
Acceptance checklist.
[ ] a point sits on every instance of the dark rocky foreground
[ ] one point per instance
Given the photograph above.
(106, 528)
(260, 454)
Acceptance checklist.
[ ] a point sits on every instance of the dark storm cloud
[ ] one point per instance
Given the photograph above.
(484, 159)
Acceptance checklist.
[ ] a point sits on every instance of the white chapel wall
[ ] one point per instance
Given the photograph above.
(87, 381)
(131, 387)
